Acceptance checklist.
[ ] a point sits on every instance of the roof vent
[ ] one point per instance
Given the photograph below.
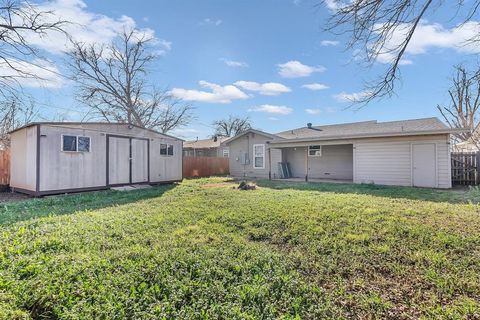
(309, 125)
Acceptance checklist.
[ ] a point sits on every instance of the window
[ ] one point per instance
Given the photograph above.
(314, 151)
(83, 144)
(75, 143)
(69, 143)
(166, 149)
(226, 153)
(163, 149)
(258, 156)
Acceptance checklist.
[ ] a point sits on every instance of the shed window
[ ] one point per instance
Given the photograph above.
(75, 143)
(163, 149)
(69, 143)
(83, 144)
(226, 153)
(314, 151)
(258, 156)
(170, 150)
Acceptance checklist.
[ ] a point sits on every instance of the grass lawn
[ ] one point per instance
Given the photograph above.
(203, 250)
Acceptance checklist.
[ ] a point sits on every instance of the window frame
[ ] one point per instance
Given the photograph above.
(62, 145)
(263, 157)
(319, 150)
(227, 152)
(168, 147)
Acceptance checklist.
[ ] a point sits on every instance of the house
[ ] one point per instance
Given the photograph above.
(58, 157)
(405, 153)
(206, 148)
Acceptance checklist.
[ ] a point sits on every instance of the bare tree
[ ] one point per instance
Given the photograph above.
(384, 28)
(464, 108)
(231, 126)
(112, 80)
(14, 115)
(20, 20)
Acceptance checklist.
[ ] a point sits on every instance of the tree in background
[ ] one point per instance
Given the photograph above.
(20, 22)
(112, 80)
(13, 115)
(383, 29)
(463, 109)
(231, 126)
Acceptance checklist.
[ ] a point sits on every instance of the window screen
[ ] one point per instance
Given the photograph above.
(69, 143)
(170, 149)
(163, 149)
(84, 144)
(258, 156)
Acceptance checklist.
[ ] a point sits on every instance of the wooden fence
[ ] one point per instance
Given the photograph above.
(4, 167)
(465, 168)
(204, 166)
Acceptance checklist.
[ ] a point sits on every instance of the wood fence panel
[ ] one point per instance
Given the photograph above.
(4, 167)
(205, 166)
(465, 168)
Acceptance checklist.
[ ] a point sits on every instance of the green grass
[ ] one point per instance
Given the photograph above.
(204, 250)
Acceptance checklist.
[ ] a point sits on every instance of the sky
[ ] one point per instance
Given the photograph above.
(270, 60)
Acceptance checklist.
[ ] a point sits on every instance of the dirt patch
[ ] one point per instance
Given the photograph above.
(12, 197)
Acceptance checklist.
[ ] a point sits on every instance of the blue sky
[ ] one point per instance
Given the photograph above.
(269, 60)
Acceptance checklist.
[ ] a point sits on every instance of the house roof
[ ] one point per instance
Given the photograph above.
(269, 135)
(204, 143)
(367, 129)
(66, 123)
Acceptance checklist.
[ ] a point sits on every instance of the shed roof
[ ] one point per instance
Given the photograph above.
(205, 143)
(367, 129)
(67, 123)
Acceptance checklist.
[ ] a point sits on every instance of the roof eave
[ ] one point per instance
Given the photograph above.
(379, 135)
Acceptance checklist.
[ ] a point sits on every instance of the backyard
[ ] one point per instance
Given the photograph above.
(205, 250)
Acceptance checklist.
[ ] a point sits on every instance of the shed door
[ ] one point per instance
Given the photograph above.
(118, 160)
(139, 160)
(424, 165)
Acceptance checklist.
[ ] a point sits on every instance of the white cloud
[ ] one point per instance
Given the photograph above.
(273, 118)
(431, 36)
(268, 108)
(39, 73)
(352, 97)
(334, 5)
(296, 69)
(315, 86)
(327, 43)
(210, 21)
(267, 89)
(233, 63)
(313, 111)
(218, 94)
(86, 26)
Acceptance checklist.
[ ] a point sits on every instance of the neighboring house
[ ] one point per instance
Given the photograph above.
(406, 153)
(470, 145)
(58, 157)
(213, 147)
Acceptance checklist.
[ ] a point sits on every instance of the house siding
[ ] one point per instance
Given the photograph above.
(388, 161)
(244, 145)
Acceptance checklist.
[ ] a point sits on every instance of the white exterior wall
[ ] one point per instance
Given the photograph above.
(23, 161)
(244, 145)
(388, 161)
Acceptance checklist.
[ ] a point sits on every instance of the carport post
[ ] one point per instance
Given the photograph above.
(306, 163)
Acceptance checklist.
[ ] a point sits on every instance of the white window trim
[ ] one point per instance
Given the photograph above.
(167, 155)
(263, 151)
(76, 136)
(226, 153)
(314, 155)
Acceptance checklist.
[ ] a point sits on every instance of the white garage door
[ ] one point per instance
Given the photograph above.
(424, 165)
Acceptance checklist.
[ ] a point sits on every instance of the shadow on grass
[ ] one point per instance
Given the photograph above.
(471, 195)
(66, 204)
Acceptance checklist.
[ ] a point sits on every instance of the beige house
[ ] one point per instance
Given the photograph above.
(212, 147)
(404, 153)
(59, 157)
